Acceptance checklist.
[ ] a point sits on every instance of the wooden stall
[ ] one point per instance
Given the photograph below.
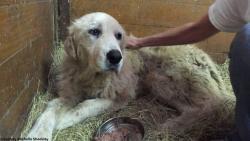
(26, 33)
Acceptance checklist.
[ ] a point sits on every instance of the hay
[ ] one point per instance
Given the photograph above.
(147, 110)
(224, 72)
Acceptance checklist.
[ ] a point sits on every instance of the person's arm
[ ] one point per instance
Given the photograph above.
(185, 34)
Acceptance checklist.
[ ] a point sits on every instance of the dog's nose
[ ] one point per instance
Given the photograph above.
(114, 56)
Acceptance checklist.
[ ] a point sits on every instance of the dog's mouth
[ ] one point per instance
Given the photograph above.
(109, 70)
(113, 68)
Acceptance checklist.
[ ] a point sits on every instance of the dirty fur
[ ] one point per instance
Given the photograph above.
(183, 77)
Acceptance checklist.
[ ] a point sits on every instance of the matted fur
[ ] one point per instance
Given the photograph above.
(183, 77)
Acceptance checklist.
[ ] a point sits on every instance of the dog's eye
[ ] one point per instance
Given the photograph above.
(118, 36)
(96, 32)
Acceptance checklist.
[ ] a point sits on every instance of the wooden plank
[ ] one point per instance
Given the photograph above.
(21, 75)
(16, 71)
(126, 11)
(12, 123)
(143, 12)
(220, 43)
(27, 73)
(13, 2)
(7, 2)
(29, 21)
(63, 18)
(159, 13)
(220, 58)
(26, 33)
(191, 2)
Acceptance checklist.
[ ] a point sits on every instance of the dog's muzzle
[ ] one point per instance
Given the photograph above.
(114, 58)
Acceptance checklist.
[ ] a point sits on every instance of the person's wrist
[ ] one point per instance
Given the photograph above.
(139, 42)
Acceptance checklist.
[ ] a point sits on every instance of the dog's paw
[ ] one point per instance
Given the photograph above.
(40, 133)
(43, 129)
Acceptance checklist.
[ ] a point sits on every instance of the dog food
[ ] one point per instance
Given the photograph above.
(122, 134)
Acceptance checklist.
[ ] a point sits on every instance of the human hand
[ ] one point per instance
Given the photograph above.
(132, 42)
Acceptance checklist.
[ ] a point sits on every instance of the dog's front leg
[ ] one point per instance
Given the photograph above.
(88, 108)
(46, 123)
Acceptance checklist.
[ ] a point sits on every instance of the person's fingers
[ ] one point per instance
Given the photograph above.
(131, 42)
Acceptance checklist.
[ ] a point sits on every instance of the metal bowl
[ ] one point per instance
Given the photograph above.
(132, 125)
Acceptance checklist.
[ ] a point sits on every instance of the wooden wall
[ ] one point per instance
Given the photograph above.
(26, 32)
(145, 17)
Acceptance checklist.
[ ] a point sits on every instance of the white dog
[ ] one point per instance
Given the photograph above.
(98, 74)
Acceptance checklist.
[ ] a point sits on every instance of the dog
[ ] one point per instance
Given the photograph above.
(98, 74)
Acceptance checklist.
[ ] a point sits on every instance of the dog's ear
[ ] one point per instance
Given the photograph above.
(70, 47)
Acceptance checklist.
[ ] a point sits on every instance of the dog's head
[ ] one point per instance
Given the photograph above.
(97, 40)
